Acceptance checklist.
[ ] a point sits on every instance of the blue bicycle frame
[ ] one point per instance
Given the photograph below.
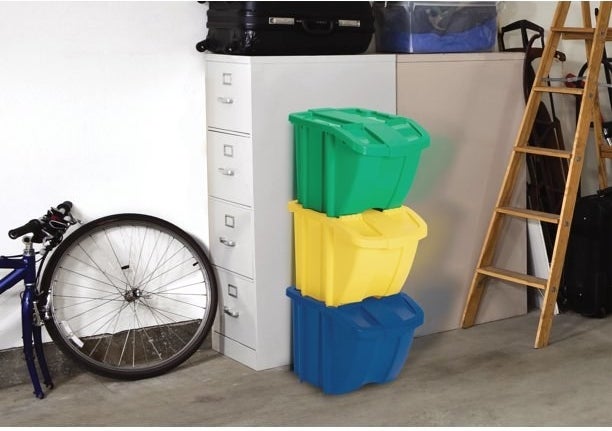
(24, 269)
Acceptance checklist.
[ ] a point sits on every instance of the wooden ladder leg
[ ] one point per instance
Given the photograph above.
(589, 112)
(510, 179)
(473, 301)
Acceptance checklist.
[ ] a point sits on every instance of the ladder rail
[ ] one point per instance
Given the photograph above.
(513, 169)
(587, 114)
(597, 121)
(594, 39)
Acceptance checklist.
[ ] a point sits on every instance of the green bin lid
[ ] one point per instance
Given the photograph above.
(367, 132)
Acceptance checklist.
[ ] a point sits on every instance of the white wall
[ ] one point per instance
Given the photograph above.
(101, 103)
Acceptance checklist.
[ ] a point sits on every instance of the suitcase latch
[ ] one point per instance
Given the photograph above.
(281, 20)
(349, 23)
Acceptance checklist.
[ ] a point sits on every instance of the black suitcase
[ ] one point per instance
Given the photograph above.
(587, 274)
(288, 28)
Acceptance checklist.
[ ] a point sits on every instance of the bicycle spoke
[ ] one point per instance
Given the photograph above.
(88, 311)
(171, 269)
(106, 274)
(150, 276)
(140, 254)
(142, 341)
(182, 302)
(90, 278)
(115, 254)
(149, 339)
(155, 312)
(112, 333)
(157, 289)
(64, 282)
(171, 312)
(159, 264)
(178, 287)
(150, 255)
(87, 300)
(127, 337)
(104, 251)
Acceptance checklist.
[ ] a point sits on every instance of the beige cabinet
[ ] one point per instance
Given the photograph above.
(471, 104)
(250, 182)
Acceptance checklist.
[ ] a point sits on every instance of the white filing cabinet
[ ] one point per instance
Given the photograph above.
(250, 181)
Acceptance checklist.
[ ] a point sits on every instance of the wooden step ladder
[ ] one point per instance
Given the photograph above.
(589, 112)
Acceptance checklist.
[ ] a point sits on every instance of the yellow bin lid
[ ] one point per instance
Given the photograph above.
(385, 229)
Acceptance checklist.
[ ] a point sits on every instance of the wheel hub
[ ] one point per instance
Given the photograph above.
(132, 294)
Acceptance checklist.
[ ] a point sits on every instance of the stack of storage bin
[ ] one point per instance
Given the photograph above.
(354, 246)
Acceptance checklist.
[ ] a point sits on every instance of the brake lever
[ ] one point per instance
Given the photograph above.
(72, 220)
(58, 223)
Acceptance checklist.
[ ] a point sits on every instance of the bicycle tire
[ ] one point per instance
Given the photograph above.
(114, 313)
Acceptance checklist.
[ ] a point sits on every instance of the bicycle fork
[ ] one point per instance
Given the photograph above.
(31, 327)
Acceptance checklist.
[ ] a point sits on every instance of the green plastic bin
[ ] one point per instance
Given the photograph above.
(350, 160)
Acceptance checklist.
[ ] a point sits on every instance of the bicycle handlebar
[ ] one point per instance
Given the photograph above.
(49, 225)
(29, 227)
(65, 207)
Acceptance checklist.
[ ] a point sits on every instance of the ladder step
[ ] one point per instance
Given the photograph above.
(563, 154)
(605, 152)
(529, 214)
(562, 90)
(578, 33)
(515, 277)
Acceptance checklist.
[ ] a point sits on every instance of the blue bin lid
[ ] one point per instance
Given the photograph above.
(394, 312)
(397, 311)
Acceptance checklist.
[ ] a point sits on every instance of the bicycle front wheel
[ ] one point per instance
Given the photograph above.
(129, 296)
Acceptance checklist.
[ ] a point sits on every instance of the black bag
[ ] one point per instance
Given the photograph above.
(587, 273)
(288, 28)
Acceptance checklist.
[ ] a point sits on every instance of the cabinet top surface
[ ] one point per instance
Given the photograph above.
(276, 59)
(471, 56)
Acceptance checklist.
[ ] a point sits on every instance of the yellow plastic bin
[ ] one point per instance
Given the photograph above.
(341, 260)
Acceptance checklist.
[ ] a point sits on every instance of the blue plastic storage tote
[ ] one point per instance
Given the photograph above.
(340, 349)
(435, 26)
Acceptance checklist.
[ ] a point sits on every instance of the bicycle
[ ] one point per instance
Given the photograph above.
(127, 296)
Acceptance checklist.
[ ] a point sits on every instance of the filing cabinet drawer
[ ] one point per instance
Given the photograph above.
(230, 171)
(231, 236)
(236, 316)
(228, 101)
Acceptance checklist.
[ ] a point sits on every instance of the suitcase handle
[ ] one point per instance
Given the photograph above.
(202, 45)
(604, 192)
(315, 27)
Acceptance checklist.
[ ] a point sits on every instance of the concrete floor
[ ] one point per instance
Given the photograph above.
(487, 375)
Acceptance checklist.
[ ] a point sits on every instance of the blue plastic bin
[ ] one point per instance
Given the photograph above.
(340, 349)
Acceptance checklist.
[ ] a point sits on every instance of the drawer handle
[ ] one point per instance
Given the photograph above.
(230, 312)
(226, 100)
(227, 242)
(226, 171)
